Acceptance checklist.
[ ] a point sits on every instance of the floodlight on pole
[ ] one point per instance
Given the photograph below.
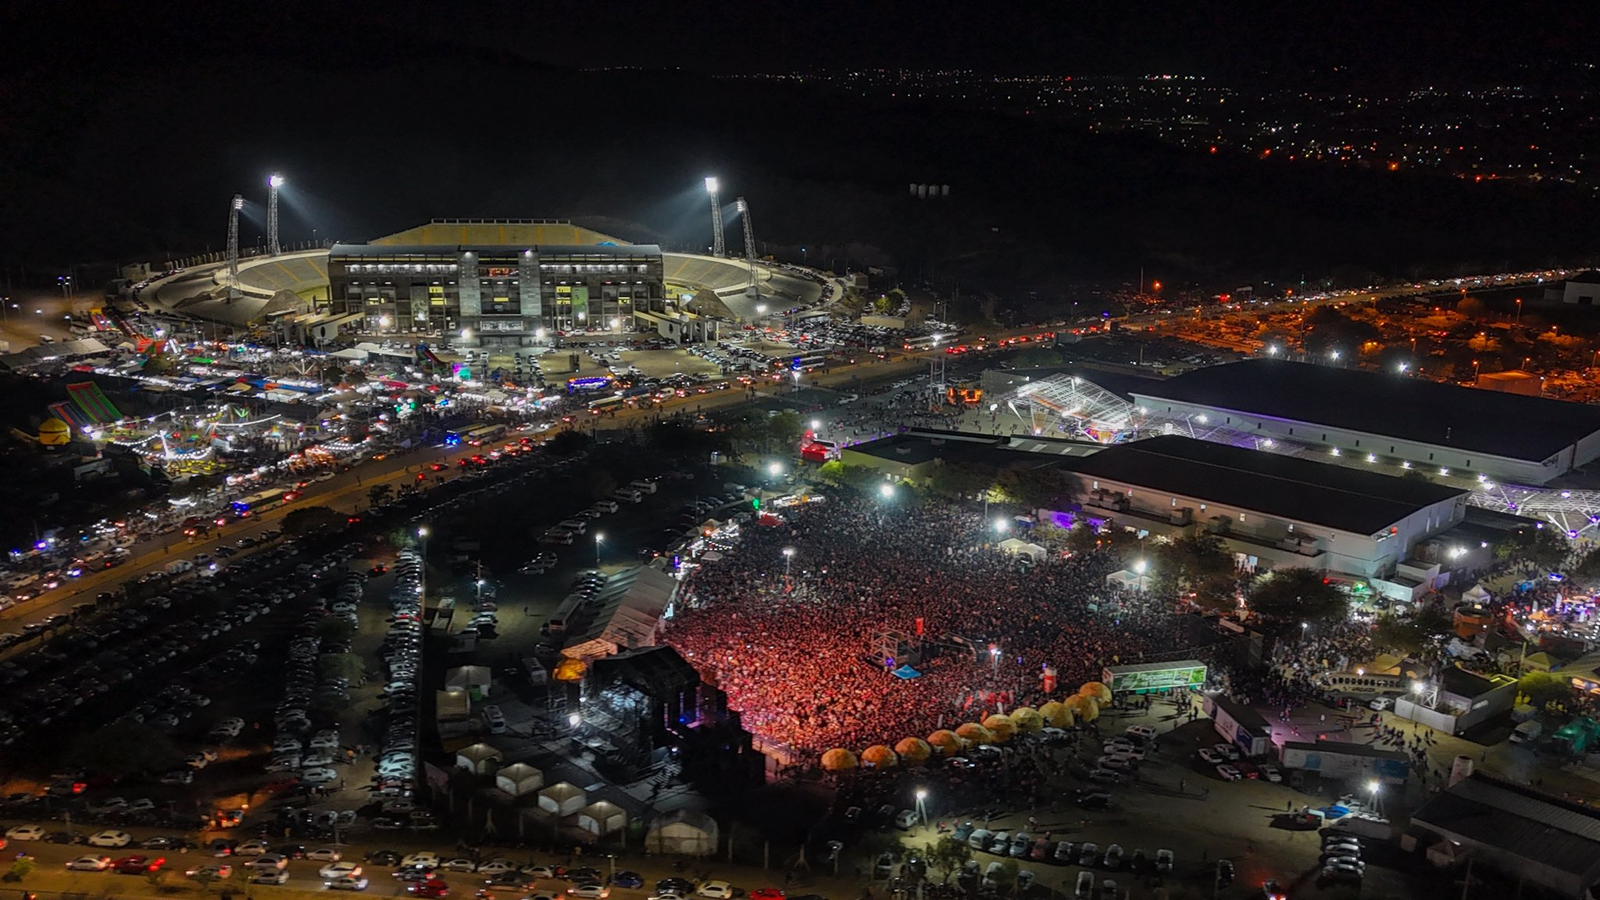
(273, 183)
(718, 247)
(233, 238)
(887, 490)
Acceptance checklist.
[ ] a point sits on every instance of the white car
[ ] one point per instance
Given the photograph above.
(715, 890)
(90, 864)
(25, 833)
(1226, 751)
(270, 876)
(420, 860)
(324, 854)
(1229, 773)
(1270, 772)
(110, 838)
(348, 883)
(497, 867)
(251, 848)
(590, 891)
(338, 870)
(318, 776)
(178, 776)
(494, 719)
(1381, 703)
(1209, 756)
(1163, 862)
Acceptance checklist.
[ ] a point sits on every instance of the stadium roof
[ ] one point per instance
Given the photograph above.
(1518, 821)
(339, 250)
(1502, 424)
(497, 233)
(1287, 487)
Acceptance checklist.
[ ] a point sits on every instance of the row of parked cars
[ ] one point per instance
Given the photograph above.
(396, 777)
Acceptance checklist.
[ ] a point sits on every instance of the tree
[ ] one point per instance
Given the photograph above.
(1037, 358)
(348, 666)
(1544, 547)
(948, 855)
(123, 748)
(883, 305)
(1399, 635)
(785, 430)
(1034, 486)
(380, 494)
(1201, 561)
(1542, 688)
(312, 520)
(1588, 569)
(953, 480)
(335, 630)
(860, 478)
(601, 484)
(568, 443)
(1297, 594)
(21, 868)
(1047, 533)
(354, 375)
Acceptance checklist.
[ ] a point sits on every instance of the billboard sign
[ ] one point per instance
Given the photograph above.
(1187, 673)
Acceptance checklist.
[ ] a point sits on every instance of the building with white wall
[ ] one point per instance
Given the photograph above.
(1272, 511)
(1390, 421)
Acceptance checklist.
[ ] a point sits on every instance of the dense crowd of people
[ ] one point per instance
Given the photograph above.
(795, 653)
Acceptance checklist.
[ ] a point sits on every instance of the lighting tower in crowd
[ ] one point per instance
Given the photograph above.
(233, 238)
(273, 184)
(718, 247)
(749, 246)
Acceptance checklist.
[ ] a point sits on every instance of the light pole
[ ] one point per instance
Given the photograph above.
(922, 805)
(1303, 627)
(422, 583)
(598, 538)
(886, 490)
(788, 559)
(1373, 787)
(994, 660)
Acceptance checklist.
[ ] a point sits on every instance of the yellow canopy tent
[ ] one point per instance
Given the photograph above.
(945, 741)
(914, 751)
(1057, 714)
(1001, 726)
(1027, 718)
(838, 760)
(973, 733)
(880, 756)
(1099, 692)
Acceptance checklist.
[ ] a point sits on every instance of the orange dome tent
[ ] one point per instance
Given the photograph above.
(1027, 719)
(1084, 709)
(1001, 726)
(838, 760)
(880, 756)
(914, 751)
(1056, 714)
(1094, 689)
(973, 733)
(945, 742)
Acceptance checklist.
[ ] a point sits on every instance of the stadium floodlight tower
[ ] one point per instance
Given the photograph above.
(718, 247)
(233, 238)
(749, 246)
(273, 183)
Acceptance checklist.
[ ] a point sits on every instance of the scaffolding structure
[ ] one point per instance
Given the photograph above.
(749, 246)
(719, 247)
(1074, 407)
(273, 183)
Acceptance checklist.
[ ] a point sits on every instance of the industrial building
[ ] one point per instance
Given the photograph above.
(1270, 510)
(1387, 420)
(1514, 830)
(494, 282)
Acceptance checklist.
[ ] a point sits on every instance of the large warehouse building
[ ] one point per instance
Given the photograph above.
(1271, 510)
(1387, 420)
(494, 282)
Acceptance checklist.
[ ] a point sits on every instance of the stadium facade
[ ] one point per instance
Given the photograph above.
(495, 282)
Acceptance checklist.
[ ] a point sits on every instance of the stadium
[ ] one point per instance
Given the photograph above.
(469, 281)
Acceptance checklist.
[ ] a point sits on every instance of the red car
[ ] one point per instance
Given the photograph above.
(438, 467)
(138, 865)
(766, 894)
(432, 887)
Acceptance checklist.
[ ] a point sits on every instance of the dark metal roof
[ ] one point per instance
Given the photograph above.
(1503, 424)
(1287, 487)
(451, 250)
(1518, 821)
(657, 671)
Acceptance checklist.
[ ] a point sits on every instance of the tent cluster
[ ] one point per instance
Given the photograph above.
(1084, 706)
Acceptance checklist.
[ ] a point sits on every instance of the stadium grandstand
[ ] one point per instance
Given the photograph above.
(305, 275)
(729, 280)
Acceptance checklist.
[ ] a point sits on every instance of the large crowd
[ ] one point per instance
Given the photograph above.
(794, 653)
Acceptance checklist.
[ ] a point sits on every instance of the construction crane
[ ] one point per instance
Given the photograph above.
(749, 246)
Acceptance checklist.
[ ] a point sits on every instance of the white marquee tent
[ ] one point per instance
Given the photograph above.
(479, 759)
(518, 779)
(684, 832)
(602, 818)
(562, 799)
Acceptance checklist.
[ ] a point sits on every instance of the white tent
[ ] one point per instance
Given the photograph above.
(602, 818)
(684, 832)
(562, 799)
(468, 678)
(518, 779)
(1017, 546)
(1129, 579)
(479, 759)
(1477, 594)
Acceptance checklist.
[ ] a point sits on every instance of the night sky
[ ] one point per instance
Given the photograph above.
(127, 126)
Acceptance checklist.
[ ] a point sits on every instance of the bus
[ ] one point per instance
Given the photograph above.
(615, 401)
(455, 437)
(922, 342)
(484, 434)
(805, 362)
(260, 501)
(586, 385)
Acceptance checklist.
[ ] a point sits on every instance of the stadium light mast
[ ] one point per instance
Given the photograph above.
(233, 238)
(749, 246)
(273, 183)
(718, 247)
